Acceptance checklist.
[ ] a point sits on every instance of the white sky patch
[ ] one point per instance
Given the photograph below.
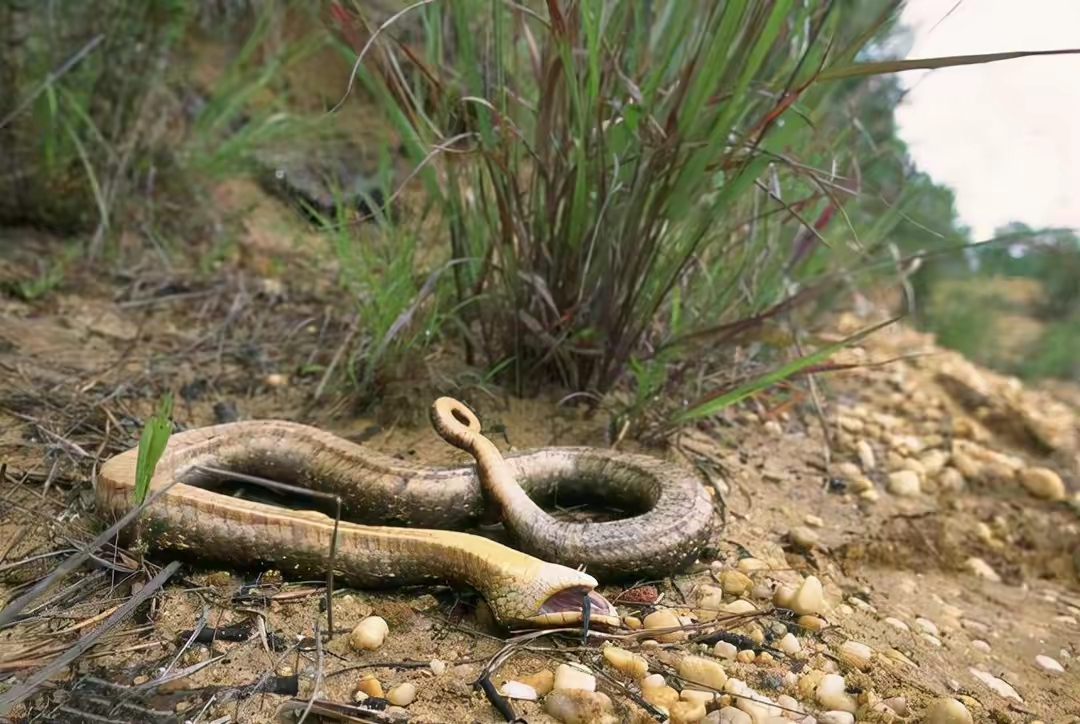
(1004, 136)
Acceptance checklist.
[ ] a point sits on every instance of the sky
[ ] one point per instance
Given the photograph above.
(1004, 136)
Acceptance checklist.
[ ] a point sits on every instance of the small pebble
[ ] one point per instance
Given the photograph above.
(369, 634)
(947, 711)
(735, 583)
(809, 598)
(927, 626)
(729, 715)
(981, 645)
(370, 686)
(701, 670)
(664, 618)
(837, 717)
(518, 690)
(740, 606)
(831, 693)
(686, 712)
(542, 681)
(896, 623)
(803, 537)
(402, 694)
(750, 565)
(725, 650)
(1000, 686)
(632, 622)
(856, 654)
(437, 667)
(811, 623)
(571, 677)
(1049, 664)
(814, 521)
(897, 704)
(904, 484)
(982, 569)
(626, 661)
(578, 706)
(1043, 483)
(866, 455)
(788, 644)
(746, 656)
(703, 697)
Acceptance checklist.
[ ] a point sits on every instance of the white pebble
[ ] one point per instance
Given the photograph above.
(1049, 664)
(837, 717)
(661, 619)
(369, 633)
(896, 623)
(740, 606)
(866, 455)
(982, 569)
(856, 654)
(928, 626)
(897, 704)
(809, 598)
(831, 693)
(518, 690)
(947, 711)
(725, 650)
(1002, 687)
(402, 694)
(730, 715)
(571, 677)
(814, 521)
(981, 645)
(789, 644)
(437, 667)
(904, 484)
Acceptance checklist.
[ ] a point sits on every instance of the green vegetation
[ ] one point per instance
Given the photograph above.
(152, 443)
(1013, 304)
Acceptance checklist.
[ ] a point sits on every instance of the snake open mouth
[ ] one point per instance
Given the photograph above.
(571, 600)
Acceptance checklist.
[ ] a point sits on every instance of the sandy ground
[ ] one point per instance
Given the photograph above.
(82, 366)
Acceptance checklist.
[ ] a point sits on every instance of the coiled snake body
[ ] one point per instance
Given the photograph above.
(417, 509)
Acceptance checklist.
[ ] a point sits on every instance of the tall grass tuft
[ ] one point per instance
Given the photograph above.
(627, 185)
(621, 172)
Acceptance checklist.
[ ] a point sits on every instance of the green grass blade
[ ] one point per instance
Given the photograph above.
(855, 70)
(155, 436)
(712, 405)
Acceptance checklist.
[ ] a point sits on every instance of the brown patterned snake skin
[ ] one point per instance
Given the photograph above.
(537, 586)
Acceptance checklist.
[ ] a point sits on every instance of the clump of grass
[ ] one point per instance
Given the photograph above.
(628, 187)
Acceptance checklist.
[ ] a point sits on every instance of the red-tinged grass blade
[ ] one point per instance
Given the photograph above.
(898, 66)
(714, 402)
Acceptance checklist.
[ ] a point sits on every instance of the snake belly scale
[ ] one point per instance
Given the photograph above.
(401, 522)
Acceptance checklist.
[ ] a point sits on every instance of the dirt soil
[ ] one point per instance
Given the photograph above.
(970, 575)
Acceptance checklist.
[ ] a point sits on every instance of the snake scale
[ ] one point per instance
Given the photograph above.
(415, 513)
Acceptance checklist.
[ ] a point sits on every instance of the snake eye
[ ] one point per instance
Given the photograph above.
(570, 600)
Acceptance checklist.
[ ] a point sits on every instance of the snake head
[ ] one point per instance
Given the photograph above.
(554, 595)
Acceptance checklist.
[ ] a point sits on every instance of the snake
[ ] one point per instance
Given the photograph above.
(403, 523)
